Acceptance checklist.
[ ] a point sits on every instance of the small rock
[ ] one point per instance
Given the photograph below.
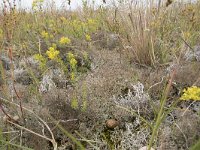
(112, 123)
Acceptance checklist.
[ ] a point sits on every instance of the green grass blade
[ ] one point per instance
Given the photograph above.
(196, 146)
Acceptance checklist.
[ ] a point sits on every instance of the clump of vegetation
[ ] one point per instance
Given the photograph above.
(191, 93)
(61, 68)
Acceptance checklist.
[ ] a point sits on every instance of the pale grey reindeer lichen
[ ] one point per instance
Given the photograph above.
(135, 98)
(47, 82)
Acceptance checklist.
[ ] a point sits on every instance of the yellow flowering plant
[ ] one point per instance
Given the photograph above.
(42, 60)
(74, 103)
(52, 53)
(191, 93)
(64, 40)
(70, 56)
(73, 65)
(77, 28)
(88, 37)
(45, 34)
(72, 75)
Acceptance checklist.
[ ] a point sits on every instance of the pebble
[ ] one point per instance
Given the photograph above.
(112, 123)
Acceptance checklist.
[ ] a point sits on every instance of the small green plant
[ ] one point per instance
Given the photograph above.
(88, 37)
(42, 60)
(64, 40)
(73, 65)
(52, 53)
(45, 35)
(74, 102)
(196, 146)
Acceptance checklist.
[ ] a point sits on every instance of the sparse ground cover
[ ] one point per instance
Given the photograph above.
(109, 78)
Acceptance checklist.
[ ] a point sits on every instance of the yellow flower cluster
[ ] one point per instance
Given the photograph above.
(191, 93)
(77, 28)
(73, 65)
(52, 53)
(72, 76)
(44, 34)
(64, 40)
(72, 61)
(88, 37)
